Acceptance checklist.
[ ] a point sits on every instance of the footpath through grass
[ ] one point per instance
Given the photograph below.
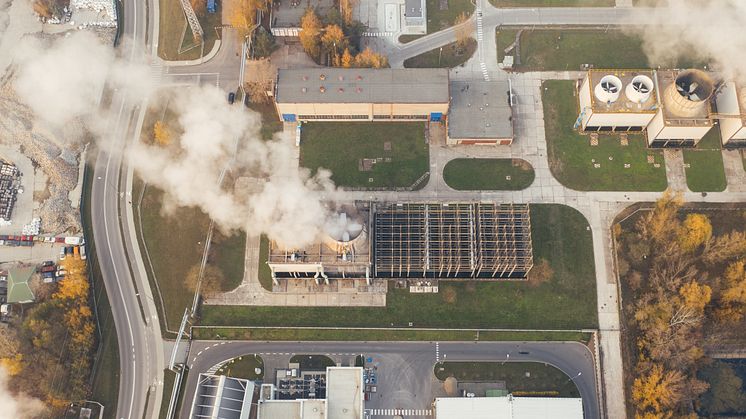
(529, 377)
(553, 3)
(609, 166)
(569, 49)
(448, 56)
(367, 154)
(704, 165)
(567, 301)
(171, 26)
(403, 334)
(488, 174)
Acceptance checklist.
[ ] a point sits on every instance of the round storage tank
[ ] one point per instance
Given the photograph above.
(640, 89)
(608, 89)
(689, 94)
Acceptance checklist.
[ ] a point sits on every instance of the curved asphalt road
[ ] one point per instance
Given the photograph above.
(570, 357)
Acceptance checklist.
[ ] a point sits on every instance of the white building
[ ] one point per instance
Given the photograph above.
(617, 100)
(731, 106)
(508, 407)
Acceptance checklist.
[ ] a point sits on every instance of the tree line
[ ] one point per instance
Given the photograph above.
(688, 290)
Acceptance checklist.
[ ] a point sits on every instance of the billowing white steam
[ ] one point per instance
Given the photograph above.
(19, 406)
(697, 29)
(285, 203)
(62, 81)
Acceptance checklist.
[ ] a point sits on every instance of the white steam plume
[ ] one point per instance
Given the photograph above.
(285, 203)
(697, 29)
(19, 406)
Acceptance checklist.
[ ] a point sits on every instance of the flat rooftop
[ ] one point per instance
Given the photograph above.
(480, 109)
(413, 8)
(362, 85)
(344, 394)
(508, 407)
(623, 104)
(288, 13)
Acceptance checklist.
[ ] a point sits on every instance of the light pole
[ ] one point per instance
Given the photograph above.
(573, 378)
(440, 52)
(507, 358)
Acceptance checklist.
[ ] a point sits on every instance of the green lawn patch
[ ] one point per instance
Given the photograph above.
(558, 50)
(488, 174)
(518, 376)
(169, 377)
(553, 3)
(409, 38)
(358, 334)
(573, 160)
(244, 367)
(172, 25)
(448, 56)
(441, 19)
(567, 301)
(704, 165)
(265, 274)
(271, 123)
(347, 149)
(228, 254)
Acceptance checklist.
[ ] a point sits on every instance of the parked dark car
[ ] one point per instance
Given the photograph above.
(231, 97)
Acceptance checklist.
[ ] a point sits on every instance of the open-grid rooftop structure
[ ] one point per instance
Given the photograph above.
(452, 241)
(222, 397)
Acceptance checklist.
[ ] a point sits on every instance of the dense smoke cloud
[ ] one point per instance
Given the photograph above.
(697, 29)
(17, 407)
(62, 82)
(284, 202)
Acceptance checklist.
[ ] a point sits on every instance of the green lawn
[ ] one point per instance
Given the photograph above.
(271, 123)
(244, 367)
(228, 254)
(441, 19)
(567, 301)
(265, 274)
(409, 38)
(171, 27)
(547, 49)
(488, 174)
(552, 3)
(341, 146)
(403, 334)
(313, 362)
(518, 376)
(572, 159)
(704, 165)
(446, 57)
(169, 377)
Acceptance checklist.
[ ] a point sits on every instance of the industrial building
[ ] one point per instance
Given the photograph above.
(452, 241)
(508, 407)
(731, 110)
(415, 241)
(672, 107)
(344, 252)
(361, 94)
(481, 112)
(218, 396)
(618, 101)
(286, 15)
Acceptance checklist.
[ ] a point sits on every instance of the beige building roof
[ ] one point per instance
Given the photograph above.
(480, 109)
(344, 392)
(508, 408)
(362, 85)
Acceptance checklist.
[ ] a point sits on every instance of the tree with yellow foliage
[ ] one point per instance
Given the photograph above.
(695, 295)
(242, 14)
(161, 134)
(369, 59)
(695, 231)
(12, 365)
(333, 40)
(310, 33)
(347, 59)
(345, 8)
(661, 223)
(657, 390)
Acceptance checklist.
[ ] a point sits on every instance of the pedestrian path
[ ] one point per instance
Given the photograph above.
(399, 412)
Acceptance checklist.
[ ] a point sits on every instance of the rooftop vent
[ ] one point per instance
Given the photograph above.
(322, 89)
(608, 89)
(341, 78)
(303, 89)
(359, 90)
(341, 90)
(322, 77)
(305, 77)
(359, 77)
(639, 90)
(689, 93)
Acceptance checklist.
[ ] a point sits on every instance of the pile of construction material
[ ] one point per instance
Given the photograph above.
(33, 228)
(10, 182)
(94, 13)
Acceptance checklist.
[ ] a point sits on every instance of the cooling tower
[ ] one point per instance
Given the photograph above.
(689, 94)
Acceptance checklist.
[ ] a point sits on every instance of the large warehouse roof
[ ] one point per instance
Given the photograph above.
(508, 408)
(362, 85)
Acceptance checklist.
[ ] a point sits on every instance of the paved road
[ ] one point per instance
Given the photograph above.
(140, 344)
(418, 357)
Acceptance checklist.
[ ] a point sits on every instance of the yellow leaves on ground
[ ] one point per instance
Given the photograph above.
(657, 390)
(161, 134)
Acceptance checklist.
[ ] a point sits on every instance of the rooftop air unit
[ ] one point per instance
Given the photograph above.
(689, 94)
(639, 90)
(608, 89)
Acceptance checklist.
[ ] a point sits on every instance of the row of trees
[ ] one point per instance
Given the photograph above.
(683, 281)
(54, 347)
(338, 39)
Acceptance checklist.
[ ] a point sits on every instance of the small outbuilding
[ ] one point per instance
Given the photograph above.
(19, 290)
